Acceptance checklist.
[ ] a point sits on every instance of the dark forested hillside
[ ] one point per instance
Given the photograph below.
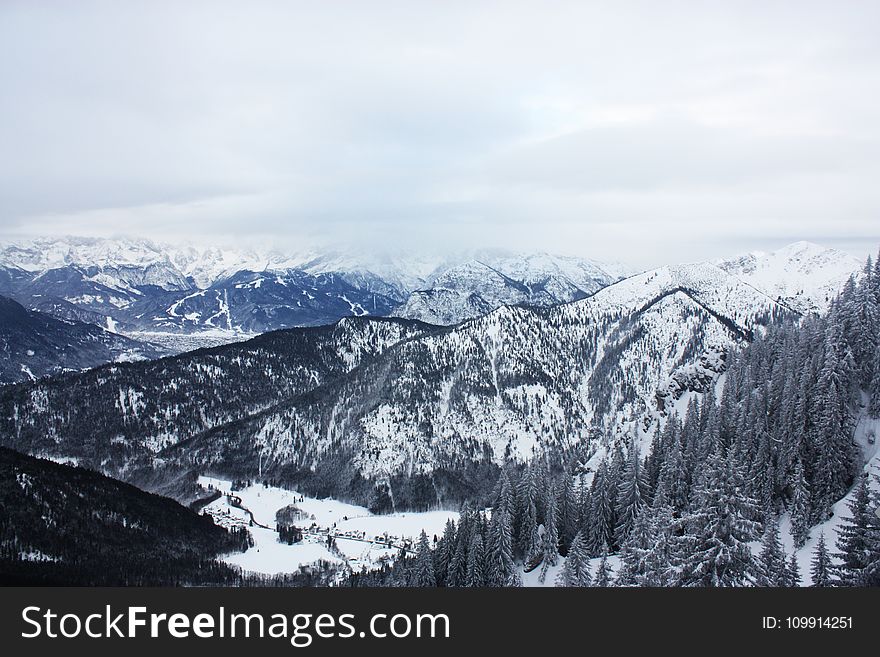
(67, 525)
(111, 416)
(34, 344)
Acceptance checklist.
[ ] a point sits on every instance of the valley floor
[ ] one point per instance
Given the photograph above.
(362, 539)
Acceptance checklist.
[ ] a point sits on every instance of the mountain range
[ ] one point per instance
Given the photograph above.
(149, 291)
(420, 412)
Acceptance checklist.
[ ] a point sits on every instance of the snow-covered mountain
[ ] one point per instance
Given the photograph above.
(120, 264)
(140, 287)
(258, 301)
(415, 407)
(803, 275)
(33, 345)
(392, 275)
(491, 280)
(336, 410)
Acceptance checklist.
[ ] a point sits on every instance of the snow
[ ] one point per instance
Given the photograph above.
(803, 275)
(176, 343)
(492, 279)
(174, 307)
(404, 525)
(353, 527)
(270, 557)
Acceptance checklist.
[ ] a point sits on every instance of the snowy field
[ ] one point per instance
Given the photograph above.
(176, 343)
(362, 538)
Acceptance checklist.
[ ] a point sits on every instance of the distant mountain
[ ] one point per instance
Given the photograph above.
(804, 276)
(33, 345)
(490, 281)
(138, 287)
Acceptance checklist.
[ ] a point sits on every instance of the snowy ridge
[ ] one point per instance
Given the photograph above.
(490, 280)
(803, 275)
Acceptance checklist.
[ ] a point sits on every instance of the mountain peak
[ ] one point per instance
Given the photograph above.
(804, 275)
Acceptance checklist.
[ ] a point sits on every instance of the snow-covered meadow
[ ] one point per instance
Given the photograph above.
(362, 539)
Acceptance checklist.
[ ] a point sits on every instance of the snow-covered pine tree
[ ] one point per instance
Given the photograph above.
(602, 515)
(530, 544)
(793, 571)
(603, 572)
(719, 530)
(476, 563)
(820, 566)
(550, 539)
(500, 566)
(525, 518)
(771, 567)
(576, 570)
(423, 574)
(800, 505)
(653, 462)
(566, 513)
(854, 538)
(837, 454)
(444, 553)
(636, 552)
(457, 572)
(630, 494)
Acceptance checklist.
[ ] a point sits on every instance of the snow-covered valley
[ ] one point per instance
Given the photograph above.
(361, 539)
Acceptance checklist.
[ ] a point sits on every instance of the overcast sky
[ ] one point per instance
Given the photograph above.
(644, 132)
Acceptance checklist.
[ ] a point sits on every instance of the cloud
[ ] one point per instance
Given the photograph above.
(612, 129)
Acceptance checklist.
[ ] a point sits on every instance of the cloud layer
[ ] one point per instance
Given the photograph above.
(636, 131)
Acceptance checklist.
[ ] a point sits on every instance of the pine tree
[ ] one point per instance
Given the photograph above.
(476, 563)
(854, 537)
(550, 540)
(771, 569)
(444, 553)
(529, 541)
(630, 497)
(506, 498)
(835, 446)
(500, 567)
(874, 387)
(636, 552)
(793, 572)
(424, 566)
(576, 570)
(800, 506)
(526, 523)
(719, 530)
(602, 517)
(457, 573)
(567, 514)
(820, 567)
(603, 573)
